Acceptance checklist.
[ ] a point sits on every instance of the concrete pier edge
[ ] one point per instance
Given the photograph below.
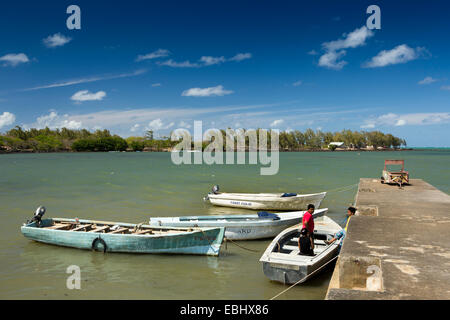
(397, 246)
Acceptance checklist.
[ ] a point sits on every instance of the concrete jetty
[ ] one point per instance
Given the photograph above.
(397, 246)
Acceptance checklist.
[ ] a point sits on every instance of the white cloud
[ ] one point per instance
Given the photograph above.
(334, 50)
(447, 88)
(85, 95)
(206, 92)
(156, 85)
(353, 39)
(56, 40)
(313, 52)
(54, 121)
(183, 124)
(86, 80)
(155, 54)
(427, 80)
(392, 119)
(276, 123)
(135, 127)
(297, 83)
(6, 119)
(241, 56)
(209, 61)
(14, 59)
(330, 60)
(157, 124)
(400, 54)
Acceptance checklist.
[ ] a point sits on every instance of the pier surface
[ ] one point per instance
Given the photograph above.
(397, 246)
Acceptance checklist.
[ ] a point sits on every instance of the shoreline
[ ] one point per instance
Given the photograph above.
(149, 151)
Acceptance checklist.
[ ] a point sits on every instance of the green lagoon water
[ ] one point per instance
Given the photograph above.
(131, 187)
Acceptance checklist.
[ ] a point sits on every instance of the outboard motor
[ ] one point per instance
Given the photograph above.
(215, 189)
(38, 215)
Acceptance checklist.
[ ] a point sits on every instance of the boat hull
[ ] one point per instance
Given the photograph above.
(282, 262)
(250, 229)
(271, 202)
(291, 273)
(201, 242)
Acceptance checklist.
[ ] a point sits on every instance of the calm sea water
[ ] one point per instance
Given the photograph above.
(131, 187)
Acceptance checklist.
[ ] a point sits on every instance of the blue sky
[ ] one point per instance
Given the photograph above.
(160, 65)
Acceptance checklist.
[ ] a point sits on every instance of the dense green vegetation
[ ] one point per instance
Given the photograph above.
(47, 140)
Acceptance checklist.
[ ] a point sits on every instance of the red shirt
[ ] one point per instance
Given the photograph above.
(307, 217)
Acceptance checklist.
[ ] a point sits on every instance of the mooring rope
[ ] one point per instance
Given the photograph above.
(303, 279)
(226, 239)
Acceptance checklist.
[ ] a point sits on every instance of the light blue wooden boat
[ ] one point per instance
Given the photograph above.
(125, 237)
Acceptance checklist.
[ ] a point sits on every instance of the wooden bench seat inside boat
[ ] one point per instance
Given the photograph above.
(82, 227)
(59, 226)
(100, 229)
(120, 230)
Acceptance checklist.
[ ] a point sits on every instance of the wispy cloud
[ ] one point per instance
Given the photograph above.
(427, 80)
(447, 88)
(297, 83)
(14, 59)
(335, 50)
(6, 119)
(156, 84)
(85, 95)
(205, 61)
(56, 40)
(174, 64)
(206, 92)
(241, 56)
(399, 54)
(392, 119)
(153, 55)
(86, 80)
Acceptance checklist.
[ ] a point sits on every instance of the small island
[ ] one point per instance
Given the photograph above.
(68, 140)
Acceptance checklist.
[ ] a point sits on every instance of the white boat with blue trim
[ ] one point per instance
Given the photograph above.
(240, 227)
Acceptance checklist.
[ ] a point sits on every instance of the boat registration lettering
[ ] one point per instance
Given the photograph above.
(241, 203)
(246, 231)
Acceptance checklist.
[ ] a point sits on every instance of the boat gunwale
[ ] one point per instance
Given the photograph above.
(183, 230)
(256, 222)
(295, 259)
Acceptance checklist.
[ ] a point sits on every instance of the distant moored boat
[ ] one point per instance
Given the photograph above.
(265, 201)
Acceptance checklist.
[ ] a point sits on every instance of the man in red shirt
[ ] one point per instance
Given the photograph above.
(308, 223)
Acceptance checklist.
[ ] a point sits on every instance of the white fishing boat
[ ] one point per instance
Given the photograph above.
(239, 227)
(283, 262)
(265, 201)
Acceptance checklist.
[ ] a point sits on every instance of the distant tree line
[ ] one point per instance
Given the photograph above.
(48, 140)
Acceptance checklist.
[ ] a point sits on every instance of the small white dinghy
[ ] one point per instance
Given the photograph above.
(240, 227)
(282, 261)
(265, 201)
